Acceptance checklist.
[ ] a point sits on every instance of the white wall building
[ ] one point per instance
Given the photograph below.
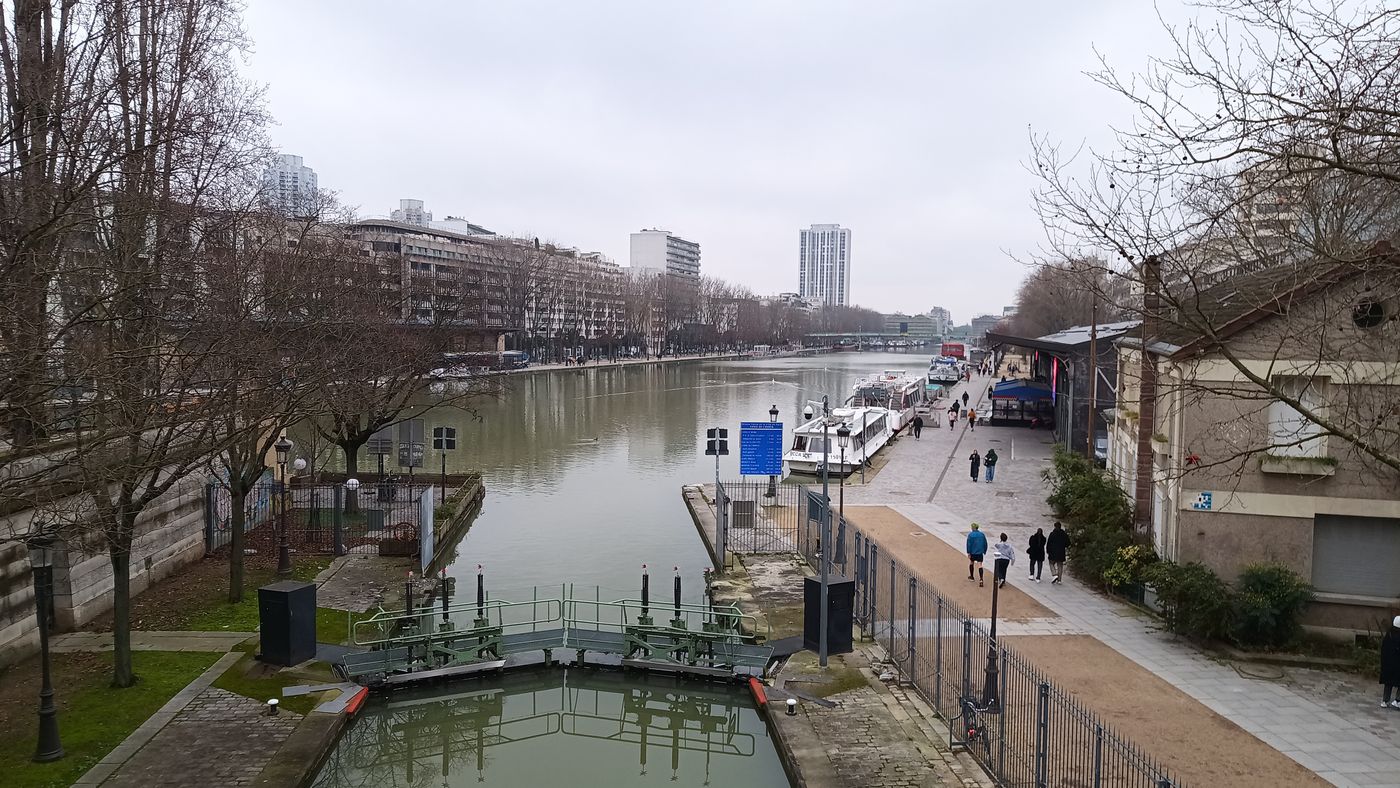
(942, 320)
(290, 186)
(660, 249)
(824, 264)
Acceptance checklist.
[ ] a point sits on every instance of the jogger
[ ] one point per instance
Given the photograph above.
(976, 549)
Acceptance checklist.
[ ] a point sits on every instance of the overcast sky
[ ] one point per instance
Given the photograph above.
(732, 124)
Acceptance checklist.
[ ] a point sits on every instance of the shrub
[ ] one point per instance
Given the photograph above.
(1129, 564)
(1194, 601)
(1094, 548)
(1269, 598)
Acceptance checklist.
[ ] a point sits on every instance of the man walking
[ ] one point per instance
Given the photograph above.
(976, 549)
(1390, 662)
(918, 425)
(1004, 555)
(1056, 546)
(1036, 551)
(964, 399)
(952, 416)
(972, 419)
(976, 460)
(991, 462)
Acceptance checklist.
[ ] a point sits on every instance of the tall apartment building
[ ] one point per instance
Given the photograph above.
(942, 320)
(412, 212)
(824, 264)
(660, 249)
(290, 186)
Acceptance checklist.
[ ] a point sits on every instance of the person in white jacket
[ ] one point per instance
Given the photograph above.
(1004, 555)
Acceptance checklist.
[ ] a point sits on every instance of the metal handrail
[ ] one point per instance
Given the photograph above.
(630, 609)
(492, 610)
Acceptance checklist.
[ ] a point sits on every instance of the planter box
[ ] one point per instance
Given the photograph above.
(399, 548)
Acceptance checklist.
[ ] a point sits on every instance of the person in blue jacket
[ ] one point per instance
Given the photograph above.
(976, 549)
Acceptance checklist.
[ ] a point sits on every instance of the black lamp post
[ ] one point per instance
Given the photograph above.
(990, 699)
(772, 480)
(843, 440)
(41, 561)
(283, 447)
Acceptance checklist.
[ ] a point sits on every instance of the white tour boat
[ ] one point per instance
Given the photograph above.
(943, 371)
(871, 429)
(893, 389)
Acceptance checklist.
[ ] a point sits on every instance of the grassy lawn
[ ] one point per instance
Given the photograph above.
(253, 679)
(93, 718)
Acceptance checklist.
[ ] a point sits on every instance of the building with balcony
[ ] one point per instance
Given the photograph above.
(824, 264)
(659, 249)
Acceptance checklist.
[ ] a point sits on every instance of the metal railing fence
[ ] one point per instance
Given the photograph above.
(1037, 735)
(759, 522)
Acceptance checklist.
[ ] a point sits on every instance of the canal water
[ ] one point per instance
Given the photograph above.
(583, 470)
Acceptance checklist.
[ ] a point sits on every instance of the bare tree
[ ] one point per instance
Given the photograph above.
(1255, 184)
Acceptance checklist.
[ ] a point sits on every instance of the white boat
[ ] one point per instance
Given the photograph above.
(871, 429)
(893, 389)
(944, 371)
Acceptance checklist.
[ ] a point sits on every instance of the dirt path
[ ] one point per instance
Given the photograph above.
(1195, 743)
(934, 561)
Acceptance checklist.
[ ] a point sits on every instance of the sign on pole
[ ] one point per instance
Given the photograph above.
(761, 448)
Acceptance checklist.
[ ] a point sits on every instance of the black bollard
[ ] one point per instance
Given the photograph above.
(442, 588)
(408, 596)
(677, 593)
(480, 593)
(645, 617)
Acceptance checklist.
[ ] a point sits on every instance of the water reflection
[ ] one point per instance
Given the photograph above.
(584, 466)
(586, 728)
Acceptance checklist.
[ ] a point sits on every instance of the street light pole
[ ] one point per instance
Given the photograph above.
(990, 701)
(772, 480)
(825, 544)
(49, 748)
(843, 439)
(283, 447)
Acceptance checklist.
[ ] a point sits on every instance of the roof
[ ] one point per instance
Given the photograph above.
(1213, 313)
(1071, 338)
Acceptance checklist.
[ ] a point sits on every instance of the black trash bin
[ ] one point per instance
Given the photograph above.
(287, 622)
(840, 601)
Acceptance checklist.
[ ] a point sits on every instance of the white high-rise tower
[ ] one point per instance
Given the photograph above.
(824, 268)
(290, 186)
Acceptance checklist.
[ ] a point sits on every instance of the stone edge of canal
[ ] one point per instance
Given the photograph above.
(805, 756)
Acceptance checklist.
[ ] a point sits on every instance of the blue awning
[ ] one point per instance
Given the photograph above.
(1023, 390)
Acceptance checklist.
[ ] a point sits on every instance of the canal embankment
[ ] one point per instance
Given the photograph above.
(853, 725)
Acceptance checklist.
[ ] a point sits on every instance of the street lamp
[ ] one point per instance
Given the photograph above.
(772, 480)
(41, 562)
(352, 496)
(843, 440)
(990, 701)
(825, 541)
(283, 447)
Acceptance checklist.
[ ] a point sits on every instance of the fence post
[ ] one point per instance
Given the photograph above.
(913, 628)
(892, 590)
(938, 658)
(209, 545)
(1042, 733)
(1098, 755)
(337, 521)
(966, 660)
(1001, 754)
(874, 585)
(859, 601)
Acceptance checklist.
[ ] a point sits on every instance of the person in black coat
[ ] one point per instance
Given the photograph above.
(976, 460)
(1390, 664)
(1036, 551)
(1056, 547)
(918, 426)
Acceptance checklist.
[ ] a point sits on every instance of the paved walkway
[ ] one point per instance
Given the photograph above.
(1335, 728)
(151, 641)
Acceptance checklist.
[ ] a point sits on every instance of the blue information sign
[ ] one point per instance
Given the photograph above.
(761, 448)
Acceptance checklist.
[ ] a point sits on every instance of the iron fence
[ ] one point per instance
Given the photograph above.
(384, 519)
(1035, 734)
(759, 522)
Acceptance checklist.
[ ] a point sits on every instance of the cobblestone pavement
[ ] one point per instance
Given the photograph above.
(236, 729)
(1329, 723)
(869, 748)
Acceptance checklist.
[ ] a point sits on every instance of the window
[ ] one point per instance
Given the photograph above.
(444, 438)
(1291, 434)
(1356, 555)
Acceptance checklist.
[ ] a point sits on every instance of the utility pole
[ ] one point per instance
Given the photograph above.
(1093, 378)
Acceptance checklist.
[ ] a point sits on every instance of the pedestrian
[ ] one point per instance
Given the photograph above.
(1004, 555)
(1056, 546)
(918, 425)
(976, 549)
(952, 418)
(972, 421)
(964, 399)
(990, 460)
(976, 460)
(1390, 664)
(1036, 551)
